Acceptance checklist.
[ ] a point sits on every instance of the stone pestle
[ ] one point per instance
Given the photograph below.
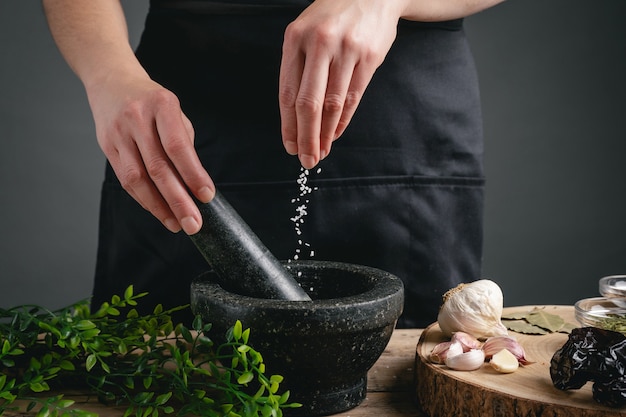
(238, 257)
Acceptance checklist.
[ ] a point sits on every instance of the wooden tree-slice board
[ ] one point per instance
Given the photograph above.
(528, 392)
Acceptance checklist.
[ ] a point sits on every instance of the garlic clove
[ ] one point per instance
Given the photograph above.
(467, 361)
(467, 341)
(454, 349)
(439, 352)
(463, 343)
(474, 308)
(495, 344)
(504, 361)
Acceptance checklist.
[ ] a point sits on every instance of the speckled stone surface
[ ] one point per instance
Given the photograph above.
(323, 348)
(233, 250)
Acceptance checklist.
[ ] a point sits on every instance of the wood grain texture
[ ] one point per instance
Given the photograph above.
(528, 392)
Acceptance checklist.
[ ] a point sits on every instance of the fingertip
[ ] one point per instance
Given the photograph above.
(172, 225)
(291, 147)
(190, 225)
(308, 161)
(205, 194)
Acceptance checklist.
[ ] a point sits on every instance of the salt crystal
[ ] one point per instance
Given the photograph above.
(301, 209)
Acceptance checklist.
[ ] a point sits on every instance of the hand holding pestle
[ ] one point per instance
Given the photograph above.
(238, 256)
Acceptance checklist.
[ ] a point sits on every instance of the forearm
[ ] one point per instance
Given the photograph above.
(93, 38)
(441, 10)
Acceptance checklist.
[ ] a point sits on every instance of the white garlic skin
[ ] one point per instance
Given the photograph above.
(466, 361)
(474, 308)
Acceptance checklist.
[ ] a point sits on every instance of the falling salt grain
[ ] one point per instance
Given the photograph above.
(301, 209)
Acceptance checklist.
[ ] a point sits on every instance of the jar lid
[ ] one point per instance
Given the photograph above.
(613, 286)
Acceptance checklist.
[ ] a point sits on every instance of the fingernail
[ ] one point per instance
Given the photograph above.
(205, 194)
(323, 154)
(190, 225)
(308, 161)
(172, 225)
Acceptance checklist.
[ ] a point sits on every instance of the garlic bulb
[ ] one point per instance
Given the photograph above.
(474, 308)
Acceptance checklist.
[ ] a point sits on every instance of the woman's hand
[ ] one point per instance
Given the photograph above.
(148, 141)
(139, 124)
(330, 54)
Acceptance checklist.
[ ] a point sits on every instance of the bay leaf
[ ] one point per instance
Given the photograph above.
(545, 320)
(567, 328)
(523, 326)
(517, 315)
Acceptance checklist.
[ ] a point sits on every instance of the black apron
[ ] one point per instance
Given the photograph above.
(402, 189)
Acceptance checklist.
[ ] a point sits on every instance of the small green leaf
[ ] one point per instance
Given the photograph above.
(259, 393)
(65, 403)
(129, 382)
(43, 412)
(245, 335)
(67, 365)
(16, 352)
(91, 361)
(6, 395)
(85, 325)
(163, 398)
(90, 334)
(245, 378)
(277, 379)
(284, 398)
(186, 334)
(143, 397)
(128, 293)
(112, 311)
(147, 411)
(9, 363)
(237, 330)
(267, 410)
(6, 346)
(38, 387)
(197, 323)
(35, 364)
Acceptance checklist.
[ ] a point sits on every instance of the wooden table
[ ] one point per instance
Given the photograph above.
(390, 382)
(390, 393)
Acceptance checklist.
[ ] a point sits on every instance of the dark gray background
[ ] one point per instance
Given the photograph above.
(552, 76)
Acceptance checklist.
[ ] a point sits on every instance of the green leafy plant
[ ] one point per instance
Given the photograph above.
(144, 362)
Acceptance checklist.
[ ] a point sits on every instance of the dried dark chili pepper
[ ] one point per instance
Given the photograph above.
(593, 354)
